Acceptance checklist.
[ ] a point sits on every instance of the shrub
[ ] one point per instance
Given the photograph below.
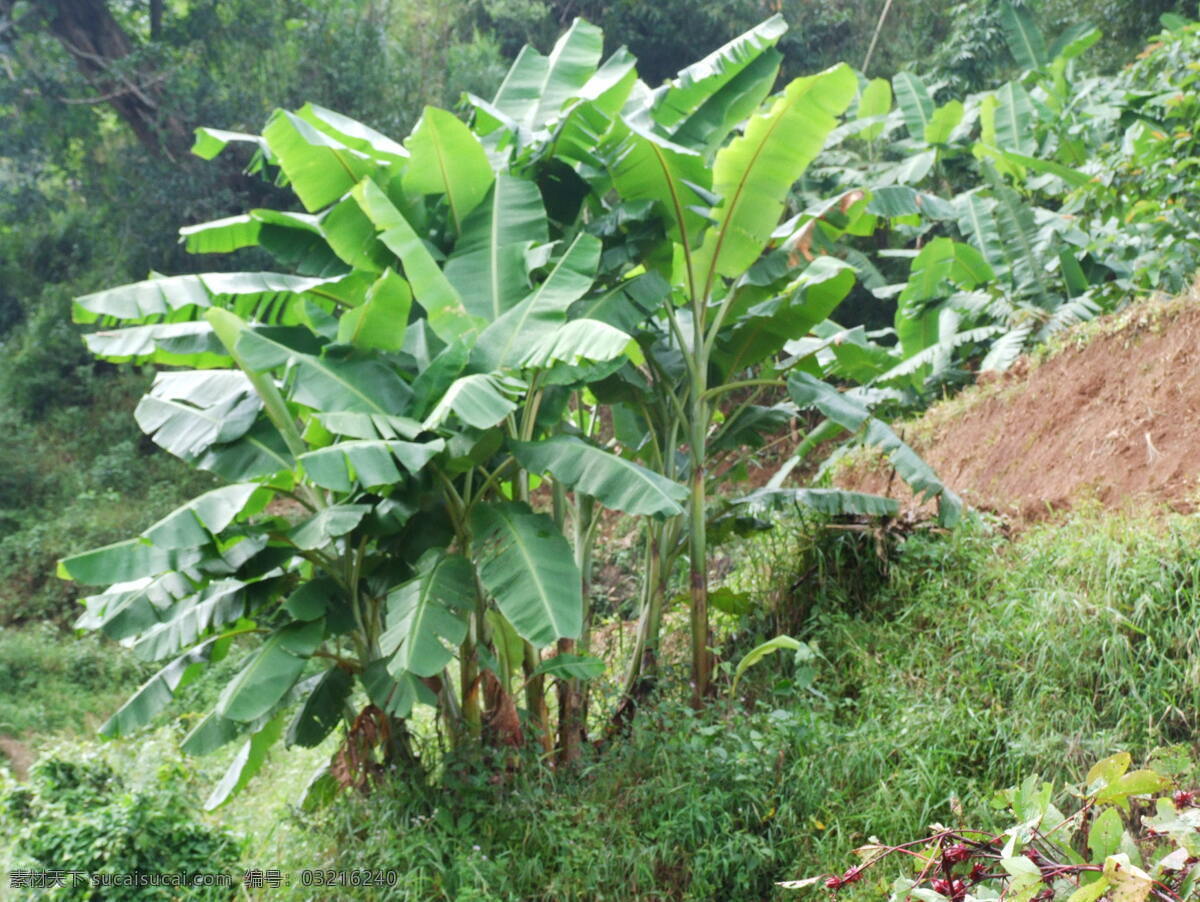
(86, 809)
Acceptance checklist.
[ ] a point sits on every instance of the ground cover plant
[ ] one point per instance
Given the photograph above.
(1047, 855)
(975, 662)
(108, 815)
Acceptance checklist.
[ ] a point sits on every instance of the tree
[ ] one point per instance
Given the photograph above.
(105, 55)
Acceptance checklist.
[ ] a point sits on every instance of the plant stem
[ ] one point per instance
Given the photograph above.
(727, 387)
(697, 539)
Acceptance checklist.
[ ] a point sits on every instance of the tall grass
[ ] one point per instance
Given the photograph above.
(955, 667)
(974, 661)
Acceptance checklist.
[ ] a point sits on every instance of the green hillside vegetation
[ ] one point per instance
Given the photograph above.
(976, 662)
(457, 478)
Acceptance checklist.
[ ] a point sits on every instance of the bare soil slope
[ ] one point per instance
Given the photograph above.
(1114, 415)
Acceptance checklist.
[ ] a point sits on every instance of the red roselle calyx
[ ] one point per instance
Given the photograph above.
(956, 853)
(1183, 798)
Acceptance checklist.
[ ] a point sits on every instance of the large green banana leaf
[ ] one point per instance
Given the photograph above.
(490, 265)
(319, 167)
(701, 105)
(128, 608)
(431, 288)
(427, 615)
(201, 520)
(246, 763)
(157, 692)
(480, 400)
(1023, 36)
(270, 672)
(511, 338)
(263, 296)
(808, 391)
(764, 328)
(526, 565)
(188, 412)
(754, 173)
(323, 708)
(218, 605)
(537, 87)
(646, 167)
(370, 463)
(381, 321)
(912, 96)
(617, 483)
(447, 159)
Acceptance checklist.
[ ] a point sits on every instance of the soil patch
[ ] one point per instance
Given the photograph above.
(1113, 416)
(20, 756)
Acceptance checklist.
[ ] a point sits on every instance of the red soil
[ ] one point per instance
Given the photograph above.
(1113, 416)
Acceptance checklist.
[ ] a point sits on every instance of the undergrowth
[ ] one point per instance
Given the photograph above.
(77, 478)
(109, 813)
(947, 668)
(55, 684)
(970, 663)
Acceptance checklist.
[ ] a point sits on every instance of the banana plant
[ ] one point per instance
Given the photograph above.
(381, 416)
(455, 316)
(696, 175)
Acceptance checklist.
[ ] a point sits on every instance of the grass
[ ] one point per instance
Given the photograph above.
(56, 684)
(973, 661)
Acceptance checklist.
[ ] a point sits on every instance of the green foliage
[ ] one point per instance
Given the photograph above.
(1139, 198)
(445, 359)
(997, 219)
(114, 813)
(983, 655)
(58, 683)
(956, 673)
(1100, 848)
(686, 806)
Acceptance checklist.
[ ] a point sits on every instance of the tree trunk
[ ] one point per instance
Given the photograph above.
(156, 17)
(98, 44)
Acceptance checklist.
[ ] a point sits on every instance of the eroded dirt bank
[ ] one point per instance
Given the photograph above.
(1114, 415)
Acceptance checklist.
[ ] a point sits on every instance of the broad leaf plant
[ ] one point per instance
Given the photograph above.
(477, 338)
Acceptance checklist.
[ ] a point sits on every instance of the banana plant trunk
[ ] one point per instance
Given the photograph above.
(697, 539)
(535, 700)
(572, 693)
(698, 573)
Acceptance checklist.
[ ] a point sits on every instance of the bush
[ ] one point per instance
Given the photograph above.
(114, 811)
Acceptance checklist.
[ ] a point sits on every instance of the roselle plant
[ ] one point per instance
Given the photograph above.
(1120, 843)
(412, 421)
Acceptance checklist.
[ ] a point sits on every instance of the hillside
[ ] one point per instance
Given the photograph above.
(1107, 414)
